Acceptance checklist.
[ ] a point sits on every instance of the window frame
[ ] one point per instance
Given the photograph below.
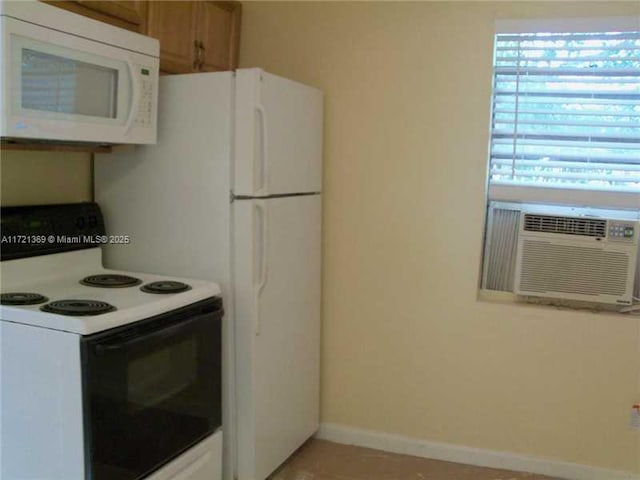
(559, 195)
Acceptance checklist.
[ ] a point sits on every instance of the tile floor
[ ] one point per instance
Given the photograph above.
(322, 460)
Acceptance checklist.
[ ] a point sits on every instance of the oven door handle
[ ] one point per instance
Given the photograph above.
(144, 337)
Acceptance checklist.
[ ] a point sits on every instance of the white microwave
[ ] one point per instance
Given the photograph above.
(68, 78)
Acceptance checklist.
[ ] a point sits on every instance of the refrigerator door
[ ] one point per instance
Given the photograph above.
(277, 305)
(278, 135)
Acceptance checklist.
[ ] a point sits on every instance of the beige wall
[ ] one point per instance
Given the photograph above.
(407, 347)
(31, 178)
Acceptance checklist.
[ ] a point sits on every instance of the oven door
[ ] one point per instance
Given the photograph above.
(151, 390)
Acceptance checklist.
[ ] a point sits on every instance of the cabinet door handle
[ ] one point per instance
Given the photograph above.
(202, 53)
(196, 56)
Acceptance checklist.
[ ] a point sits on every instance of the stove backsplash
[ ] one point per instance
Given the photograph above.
(48, 177)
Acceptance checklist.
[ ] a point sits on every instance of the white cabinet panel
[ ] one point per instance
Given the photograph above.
(41, 404)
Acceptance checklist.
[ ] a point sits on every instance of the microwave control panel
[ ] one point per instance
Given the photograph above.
(144, 118)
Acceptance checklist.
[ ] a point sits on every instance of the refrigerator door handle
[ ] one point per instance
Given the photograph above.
(261, 211)
(264, 158)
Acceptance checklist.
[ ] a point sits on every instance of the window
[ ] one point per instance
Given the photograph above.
(566, 114)
(565, 143)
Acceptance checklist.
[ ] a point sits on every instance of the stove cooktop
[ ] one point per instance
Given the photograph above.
(71, 292)
(88, 307)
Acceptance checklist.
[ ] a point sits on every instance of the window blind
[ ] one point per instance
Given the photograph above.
(566, 111)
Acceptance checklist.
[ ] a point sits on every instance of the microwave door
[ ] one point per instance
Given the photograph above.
(69, 88)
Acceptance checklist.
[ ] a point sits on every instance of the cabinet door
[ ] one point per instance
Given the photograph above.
(131, 15)
(173, 23)
(218, 30)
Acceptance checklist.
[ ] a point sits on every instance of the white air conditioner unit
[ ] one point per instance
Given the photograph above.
(576, 257)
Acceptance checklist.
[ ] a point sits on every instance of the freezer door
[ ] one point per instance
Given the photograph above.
(278, 135)
(277, 305)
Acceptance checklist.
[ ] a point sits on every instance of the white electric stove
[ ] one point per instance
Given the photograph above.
(106, 375)
(72, 285)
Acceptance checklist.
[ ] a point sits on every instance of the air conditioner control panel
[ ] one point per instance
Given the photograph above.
(623, 231)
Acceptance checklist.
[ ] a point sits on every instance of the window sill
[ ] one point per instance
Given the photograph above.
(564, 196)
(508, 298)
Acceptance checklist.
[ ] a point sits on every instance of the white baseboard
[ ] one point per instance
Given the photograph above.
(467, 455)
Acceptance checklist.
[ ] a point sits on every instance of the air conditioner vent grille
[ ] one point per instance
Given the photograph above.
(553, 268)
(588, 227)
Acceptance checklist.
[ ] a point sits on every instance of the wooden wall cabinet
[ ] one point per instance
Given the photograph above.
(218, 30)
(195, 36)
(131, 15)
(174, 24)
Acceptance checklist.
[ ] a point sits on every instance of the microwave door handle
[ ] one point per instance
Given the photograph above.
(135, 96)
(170, 331)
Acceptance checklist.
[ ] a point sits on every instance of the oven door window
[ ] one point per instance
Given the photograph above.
(153, 391)
(161, 375)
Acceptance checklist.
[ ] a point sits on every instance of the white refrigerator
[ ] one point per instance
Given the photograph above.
(232, 193)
